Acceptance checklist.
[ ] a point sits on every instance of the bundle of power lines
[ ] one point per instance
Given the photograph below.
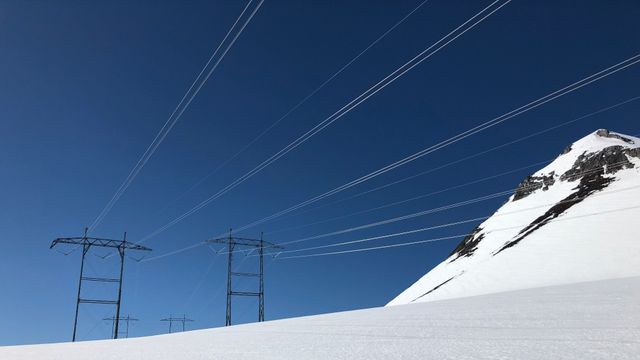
(247, 13)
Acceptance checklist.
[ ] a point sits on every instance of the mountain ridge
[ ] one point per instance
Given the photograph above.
(587, 185)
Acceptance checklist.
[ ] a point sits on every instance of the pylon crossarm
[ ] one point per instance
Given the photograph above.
(244, 242)
(245, 274)
(99, 242)
(87, 243)
(94, 301)
(97, 279)
(177, 319)
(127, 318)
(244, 293)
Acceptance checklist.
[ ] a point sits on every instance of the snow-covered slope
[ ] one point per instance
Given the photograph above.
(597, 320)
(577, 219)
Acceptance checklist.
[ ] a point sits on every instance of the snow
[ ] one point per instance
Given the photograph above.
(595, 239)
(595, 320)
(569, 290)
(589, 143)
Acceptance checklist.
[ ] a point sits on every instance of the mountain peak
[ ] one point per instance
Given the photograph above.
(589, 147)
(600, 139)
(555, 229)
(605, 133)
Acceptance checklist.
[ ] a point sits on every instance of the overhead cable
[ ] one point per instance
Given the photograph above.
(418, 59)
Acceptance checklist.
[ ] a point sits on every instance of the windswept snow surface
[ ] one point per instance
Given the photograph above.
(595, 320)
(575, 220)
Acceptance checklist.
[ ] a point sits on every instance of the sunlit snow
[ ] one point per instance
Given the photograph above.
(597, 320)
(593, 240)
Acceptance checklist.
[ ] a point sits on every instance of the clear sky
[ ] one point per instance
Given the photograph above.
(86, 85)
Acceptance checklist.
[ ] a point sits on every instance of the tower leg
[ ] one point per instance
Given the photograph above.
(229, 291)
(121, 253)
(85, 248)
(261, 291)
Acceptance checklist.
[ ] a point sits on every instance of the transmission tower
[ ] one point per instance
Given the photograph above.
(126, 319)
(172, 319)
(87, 243)
(259, 244)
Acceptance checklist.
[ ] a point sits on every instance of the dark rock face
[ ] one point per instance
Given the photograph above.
(434, 289)
(533, 183)
(611, 159)
(468, 245)
(589, 184)
(590, 169)
(606, 133)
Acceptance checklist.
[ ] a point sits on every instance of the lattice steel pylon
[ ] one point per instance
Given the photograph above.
(126, 319)
(259, 244)
(86, 243)
(172, 319)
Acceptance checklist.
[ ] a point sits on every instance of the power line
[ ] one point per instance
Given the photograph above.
(450, 163)
(418, 59)
(177, 113)
(201, 243)
(345, 216)
(301, 102)
(96, 324)
(203, 278)
(386, 236)
(373, 248)
(193, 246)
(475, 155)
(417, 214)
(446, 238)
(429, 211)
(479, 128)
(219, 290)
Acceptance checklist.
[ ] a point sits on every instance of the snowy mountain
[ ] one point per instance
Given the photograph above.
(574, 220)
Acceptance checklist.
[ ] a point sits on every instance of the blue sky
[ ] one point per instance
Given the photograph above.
(86, 86)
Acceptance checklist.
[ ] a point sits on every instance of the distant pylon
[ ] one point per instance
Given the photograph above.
(172, 319)
(126, 319)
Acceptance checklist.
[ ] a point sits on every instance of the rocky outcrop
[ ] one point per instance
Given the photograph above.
(589, 184)
(569, 221)
(468, 245)
(435, 288)
(593, 170)
(532, 184)
(611, 160)
(607, 134)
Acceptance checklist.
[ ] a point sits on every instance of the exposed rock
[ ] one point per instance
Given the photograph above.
(589, 184)
(606, 133)
(435, 288)
(611, 159)
(533, 183)
(589, 168)
(468, 245)
(553, 227)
